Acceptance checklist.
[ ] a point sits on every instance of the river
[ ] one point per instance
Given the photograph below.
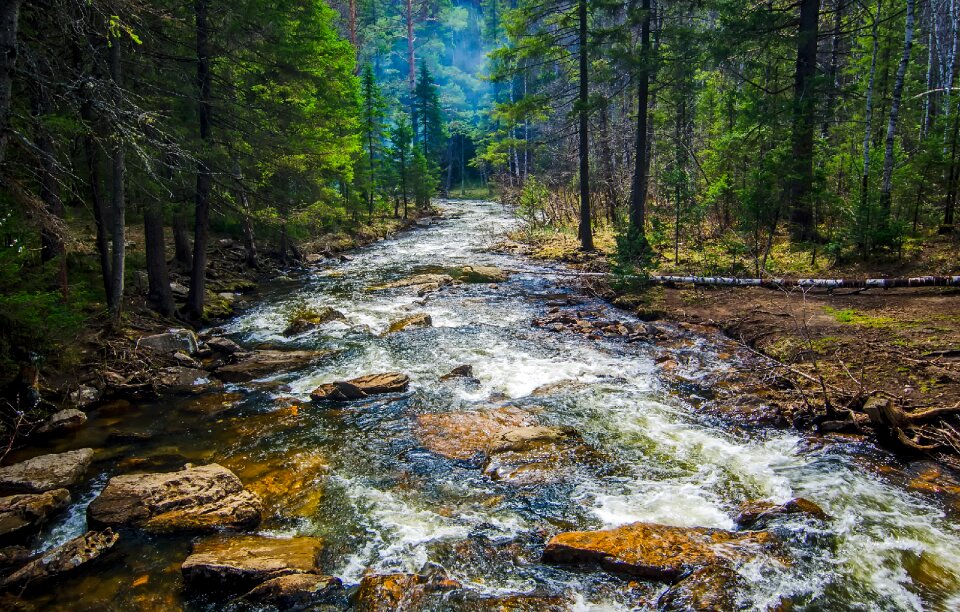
(386, 503)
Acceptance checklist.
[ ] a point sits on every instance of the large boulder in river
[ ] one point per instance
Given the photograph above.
(203, 498)
(463, 435)
(63, 421)
(240, 562)
(357, 388)
(68, 557)
(24, 513)
(46, 472)
(257, 364)
(297, 591)
(421, 282)
(390, 592)
(416, 321)
(482, 274)
(659, 552)
(175, 340)
(307, 319)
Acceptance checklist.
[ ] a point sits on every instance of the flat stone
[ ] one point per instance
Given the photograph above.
(708, 589)
(202, 498)
(24, 513)
(14, 557)
(296, 591)
(46, 472)
(658, 552)
(758, 514)
(240, 562)
(63, 421)
(288, 485)
(372, 384)
(419, 280)
(467, 601)
(482, 274)
(258, 364)
(417, 321)
(68, 557)
(223, 345)
(463, 435)
(171, 342)
(392, 592)
(181, 379)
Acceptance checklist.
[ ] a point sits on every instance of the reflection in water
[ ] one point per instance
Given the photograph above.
(358, 476)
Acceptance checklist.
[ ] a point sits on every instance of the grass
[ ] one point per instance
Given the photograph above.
(850, 316)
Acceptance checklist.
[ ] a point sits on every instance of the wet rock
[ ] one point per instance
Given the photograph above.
(392, 592)
(482, 274)
(418, 281)
(170, 342)
(179, 290)
(288, 485)
(417, 321)
(180, 379)
(463, 435)
(563, 386)
(213, 403)
(306, 320)
(296, 591)
(240, 562)
(936, 582)
(462, 371)
(758, 513)
(85, 396)
(372, 384)
(708, 589)
(23, 514)
(257, 364)
(46, 472)
(12, 557)
(63, 421)
(199, 498)
(537, 455)
(659, 552)
(466, 601)
(68, 557)
(224, 346)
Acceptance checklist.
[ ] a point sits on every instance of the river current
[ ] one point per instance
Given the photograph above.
(386, 503)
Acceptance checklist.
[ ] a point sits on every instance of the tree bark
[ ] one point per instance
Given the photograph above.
(249, 239)
(804, 113)
(638, 194)
(195, 299)
(887, 187)
(115, 302)
(159, 294)
(182, 249)
(9, 15)
(585, 230)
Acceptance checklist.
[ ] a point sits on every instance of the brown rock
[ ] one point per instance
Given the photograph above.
(463, 371)
(181, 379)
(419, 281)
(472, 602)
(225, 346)
(708, 589)
(759, 513)
(310, 319)
(462, 435)
(266, 363)
(46, 472)
(239, 562)
(13, 557)
(200, 498)
(482, 274)
(373, 384)
(392, 592)
(659, 552)
(537, 455)
(291, 485)
(24, 513)
(295, 591)
(417, 321)
(65, 558)
(62, 422)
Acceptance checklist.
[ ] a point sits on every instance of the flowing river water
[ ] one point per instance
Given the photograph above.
(383, 502)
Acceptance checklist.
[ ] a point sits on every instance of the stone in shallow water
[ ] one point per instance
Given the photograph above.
(267, 363)
(659, 552)
(62, 559)
(391, 592)
(419, 280)
(417, 321)
(63, 421)
(296, 591)
(708, 589)
(239, 562)
(181, 379)
(200, 498)
(463, 435)
(312, 319)
(462, 371)
(482, 274)
(170, 342)
(759, 513)
(288, 485)
(46, 472)
(538, 455)
(24, 513)
(357, 388)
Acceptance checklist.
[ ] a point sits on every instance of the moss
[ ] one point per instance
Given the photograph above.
(849, 316)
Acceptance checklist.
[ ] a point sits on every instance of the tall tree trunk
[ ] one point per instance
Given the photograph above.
(159, 294)
(9, 15)
(182, 249)
(931, 44)
(115, 302)
(195, 299)
(249, 239)
(638, 192)
(804, 113)
(887, 188)
(953, 181)
(411, 58)
(94, 170)
(833, 71)
(583, 101)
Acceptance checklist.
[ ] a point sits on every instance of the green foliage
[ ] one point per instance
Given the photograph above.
(531, 205)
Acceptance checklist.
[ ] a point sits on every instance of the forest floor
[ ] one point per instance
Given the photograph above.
(836, 348)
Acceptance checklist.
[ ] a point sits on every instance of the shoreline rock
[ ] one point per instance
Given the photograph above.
(46, 472)
(241, 562)
(68, 557)
(256, 364)
(23, 514)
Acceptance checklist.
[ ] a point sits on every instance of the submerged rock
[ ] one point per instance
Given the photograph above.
(537, 455)
(63, 421)
(296, 591)
(46, 472)
(419, 281)
(708, 589)
(168, 343)
(85, 396)
(23, 514)
(203, 498)
(417, 321)
(289, 485)
(392, 592)
(257, 364)
(357, 388)
(463, 435)
(482, 274)
(180, 379)
(240, 562)
(76, 553)
(759, 513)
(306, 320)
(467, 601)
(659, 552)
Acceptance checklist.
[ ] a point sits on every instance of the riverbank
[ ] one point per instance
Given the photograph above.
(884, 363)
